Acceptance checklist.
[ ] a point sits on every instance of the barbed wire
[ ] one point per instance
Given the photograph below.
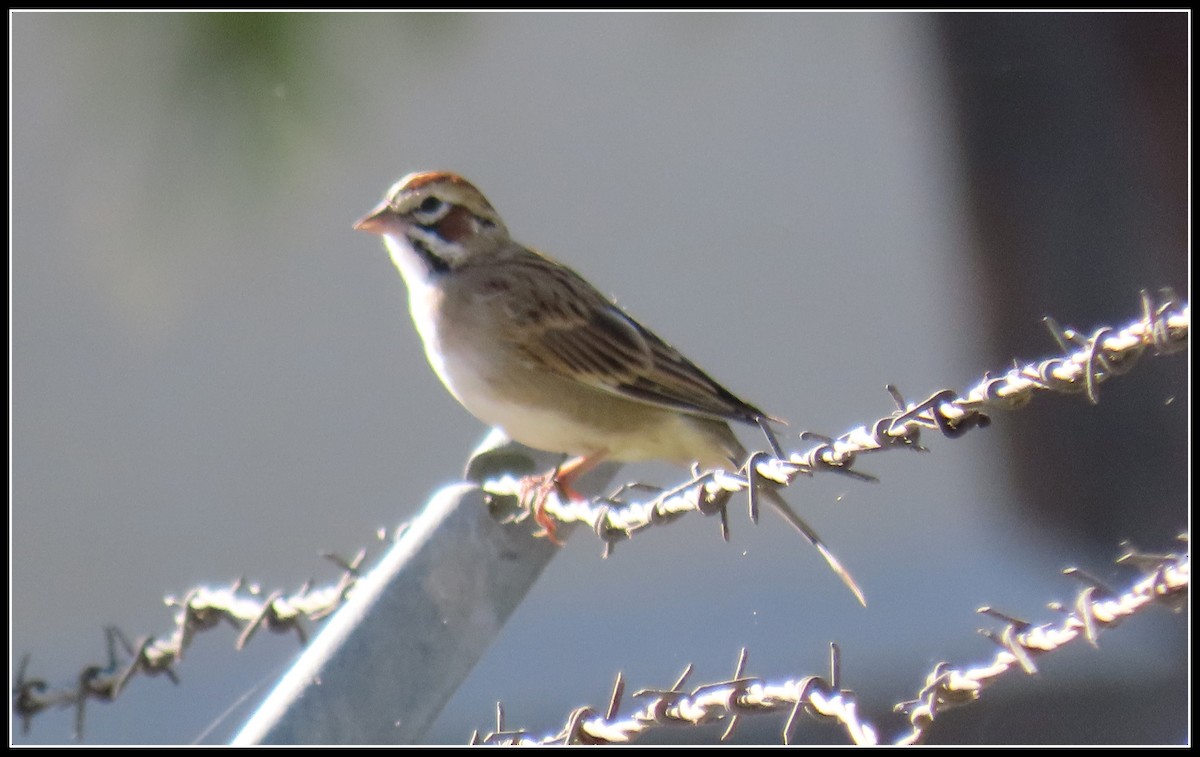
(1165, 581)
(241, 605)
(1162, 328)
(1085, 363)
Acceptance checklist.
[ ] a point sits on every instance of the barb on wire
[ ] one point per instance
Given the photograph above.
(1085, 363)
(241, 605)
(1165, 581)
(718, 702)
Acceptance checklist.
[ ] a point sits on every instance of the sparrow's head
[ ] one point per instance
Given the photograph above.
(440, 216)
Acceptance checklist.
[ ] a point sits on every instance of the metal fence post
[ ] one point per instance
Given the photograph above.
(384, 665)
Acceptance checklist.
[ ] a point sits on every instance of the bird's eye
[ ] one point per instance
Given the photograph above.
(430, 205)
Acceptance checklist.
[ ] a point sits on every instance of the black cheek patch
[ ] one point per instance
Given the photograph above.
(436, 264)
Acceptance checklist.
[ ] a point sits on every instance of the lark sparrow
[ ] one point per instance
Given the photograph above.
(527, 345)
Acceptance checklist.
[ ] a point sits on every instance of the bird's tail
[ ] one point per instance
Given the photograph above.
(785, 510)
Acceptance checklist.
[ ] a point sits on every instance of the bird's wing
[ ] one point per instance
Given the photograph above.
(569, 328)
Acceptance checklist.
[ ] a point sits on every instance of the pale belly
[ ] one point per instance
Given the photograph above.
(595, 423)
(530, 424)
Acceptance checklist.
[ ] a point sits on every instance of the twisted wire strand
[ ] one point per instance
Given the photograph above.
(241, 605)
(1165, 581)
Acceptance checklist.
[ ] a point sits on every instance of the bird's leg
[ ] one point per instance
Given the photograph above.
(561, 480)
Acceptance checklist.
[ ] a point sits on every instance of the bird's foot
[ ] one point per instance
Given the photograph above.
(533, 494)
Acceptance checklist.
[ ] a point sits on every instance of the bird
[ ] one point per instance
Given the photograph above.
(528, 345)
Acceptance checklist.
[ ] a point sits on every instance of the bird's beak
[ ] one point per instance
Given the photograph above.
(381, 220)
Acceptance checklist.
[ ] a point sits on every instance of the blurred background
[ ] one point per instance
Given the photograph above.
(213, 376)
